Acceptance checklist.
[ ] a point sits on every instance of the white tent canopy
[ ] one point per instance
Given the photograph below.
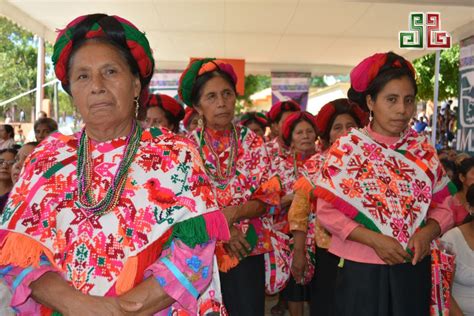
(324, 37)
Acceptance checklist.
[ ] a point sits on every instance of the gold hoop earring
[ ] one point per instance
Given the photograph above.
(137, 106)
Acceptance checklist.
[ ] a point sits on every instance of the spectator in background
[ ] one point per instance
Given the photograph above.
(191, 119)
(463, 179)
(462, 242)
(255, 121)
(449, 167)
(20, 159)
(7, 136)
(44, 127)
(420, 125)
(452, 154)
(22, 115)
(7, 159)
(163, 111)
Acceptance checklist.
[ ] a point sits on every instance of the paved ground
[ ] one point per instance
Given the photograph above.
(271, 301)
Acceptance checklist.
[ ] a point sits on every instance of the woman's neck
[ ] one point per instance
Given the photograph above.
(5, 187)
(217, 127)
(105, 133)
(304, 154)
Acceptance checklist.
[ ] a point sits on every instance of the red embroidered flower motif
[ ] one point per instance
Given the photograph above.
(400, 230)
(373, 152)
(351, 188)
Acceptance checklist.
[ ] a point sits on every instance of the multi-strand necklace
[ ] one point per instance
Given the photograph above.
(85, 169)
(218, 176)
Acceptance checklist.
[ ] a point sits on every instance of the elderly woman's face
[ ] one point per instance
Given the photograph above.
(303, 138)
(217, 103)
(102, 85)
(342, 124)
(155, 117)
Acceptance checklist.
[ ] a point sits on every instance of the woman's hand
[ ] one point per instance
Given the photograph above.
(389, 249)
(231, 214)
(237, 245)
(419, 243)
(299, 265)
(286, 200)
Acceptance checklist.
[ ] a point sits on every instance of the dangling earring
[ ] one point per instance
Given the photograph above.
(200, 122)
(371, 115)
(137, 106)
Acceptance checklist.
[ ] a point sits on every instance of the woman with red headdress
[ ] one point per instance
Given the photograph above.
(277, 114)
(311, 241)
(255, 121)
(113, 220)
(382, 195)
(298, 133)
(163, 111)
(238, 165)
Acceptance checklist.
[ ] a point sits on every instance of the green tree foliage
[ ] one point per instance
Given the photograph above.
(449, 74)
(253, 84)
(18, 57)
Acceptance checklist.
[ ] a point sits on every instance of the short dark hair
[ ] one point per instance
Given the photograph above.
(10, 130)
(462, 169)
(201, 80)
(52, 125)
(9, 150)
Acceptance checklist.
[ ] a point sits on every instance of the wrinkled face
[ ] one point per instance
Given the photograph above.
(20, 158)
(341, 126)
(155, 117)
(6, 162)
(102, 85)
(303, 138)
(393, 108)
(257, 129)
(42, 131)
(467, 179)
(217, 103)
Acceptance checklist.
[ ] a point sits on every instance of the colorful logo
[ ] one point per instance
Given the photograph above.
(424, 26)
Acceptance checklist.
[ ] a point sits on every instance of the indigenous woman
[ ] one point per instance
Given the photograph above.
(114, 220)
(237, 165)
(163, 111)
(191, 118)
(461, 240)
(256, 122)
(7, 159)
(334, 120)
(277, 114)
(20, 159)
(464, 178)
(381, 194)
(44, 127)
(299, 134)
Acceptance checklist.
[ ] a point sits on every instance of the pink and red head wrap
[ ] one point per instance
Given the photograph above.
(292, 120)
(274, 115)
(367, 70)
(116, 29)
(167, 104)
(197, 68)
(325, 116)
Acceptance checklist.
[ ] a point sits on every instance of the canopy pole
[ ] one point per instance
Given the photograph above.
(434, 121)
(39, 77)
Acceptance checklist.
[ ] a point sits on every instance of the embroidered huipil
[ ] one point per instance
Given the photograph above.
(289, 170)
(303, 209)
(389, 185)
(165, 224)
(251, 180)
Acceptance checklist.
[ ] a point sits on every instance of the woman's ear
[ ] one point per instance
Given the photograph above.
(370, 102)
(137, 87)
(198, 109)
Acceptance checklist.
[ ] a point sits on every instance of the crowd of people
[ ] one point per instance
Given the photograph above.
(350, 210)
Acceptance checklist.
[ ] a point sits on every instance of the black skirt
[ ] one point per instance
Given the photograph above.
(243, 287)
(294, 292)
(323, 283)
(383, 290)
